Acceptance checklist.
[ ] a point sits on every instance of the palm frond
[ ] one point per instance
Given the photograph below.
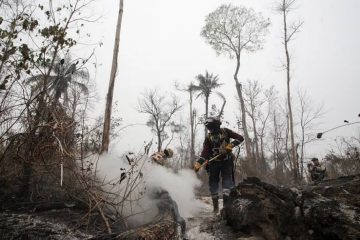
(206, 83)
(83, 87)
(83, 74)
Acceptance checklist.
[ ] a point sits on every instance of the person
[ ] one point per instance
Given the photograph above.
(161, 156)
(317, 170)
(162, 196)
(218, 158)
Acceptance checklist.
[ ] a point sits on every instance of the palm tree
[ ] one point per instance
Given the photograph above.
(65, 74)
(206, 84)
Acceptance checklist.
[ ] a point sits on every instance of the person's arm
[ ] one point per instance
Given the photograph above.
(205, 154)
(320, 168)
(237, 137)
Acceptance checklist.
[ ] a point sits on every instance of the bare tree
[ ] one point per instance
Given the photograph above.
(109, 97)
(278, 134)
(253, 103)
(258, 106)
(160, 113)
(233, 30)
(309, 115)
(264, 116)
(285, 7)
(191, 88)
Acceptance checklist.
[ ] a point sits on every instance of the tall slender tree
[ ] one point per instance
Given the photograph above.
(109, 97)
(289, 30)
(309, 117)
(190, 89)
(233, 30)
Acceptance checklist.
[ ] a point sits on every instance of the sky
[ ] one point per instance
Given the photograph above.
(161, 43)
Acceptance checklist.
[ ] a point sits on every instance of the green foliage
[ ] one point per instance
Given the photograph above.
(232, 29)
(17, 56)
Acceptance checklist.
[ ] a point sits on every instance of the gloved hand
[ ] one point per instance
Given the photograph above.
(197, 166)
(235, 142)
(229, 147)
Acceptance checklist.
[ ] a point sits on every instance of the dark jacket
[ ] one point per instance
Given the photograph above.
(214, 144)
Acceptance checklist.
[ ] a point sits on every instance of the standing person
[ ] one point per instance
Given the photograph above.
(316, 170)
(217, 145)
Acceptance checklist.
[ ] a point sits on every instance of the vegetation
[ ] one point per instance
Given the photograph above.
(50, 143)
(233, 30)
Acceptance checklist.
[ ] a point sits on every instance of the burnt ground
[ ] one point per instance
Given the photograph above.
(208, 226)
(257, 210)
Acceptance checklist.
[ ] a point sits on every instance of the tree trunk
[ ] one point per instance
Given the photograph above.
(302, 152)
(109, 97)
(192, 133)
(256, 141)
(242, 110)
(206, 112)
(291, 122)
(159, 141)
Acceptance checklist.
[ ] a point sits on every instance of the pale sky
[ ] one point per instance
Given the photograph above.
(161, 43)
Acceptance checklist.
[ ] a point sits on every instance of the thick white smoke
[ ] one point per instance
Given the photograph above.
(144, 176)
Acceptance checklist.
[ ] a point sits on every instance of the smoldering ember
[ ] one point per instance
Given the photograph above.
(179, 120)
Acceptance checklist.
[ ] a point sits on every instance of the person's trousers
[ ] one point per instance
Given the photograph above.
(224, 170)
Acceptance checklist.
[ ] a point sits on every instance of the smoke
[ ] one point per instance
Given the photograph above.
(130, 180)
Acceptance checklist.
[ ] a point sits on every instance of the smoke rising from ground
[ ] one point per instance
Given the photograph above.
(134, 178)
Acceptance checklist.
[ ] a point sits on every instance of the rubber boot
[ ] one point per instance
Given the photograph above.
(215, 201)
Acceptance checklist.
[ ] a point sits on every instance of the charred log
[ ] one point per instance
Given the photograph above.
(327, 210)
(72, 221)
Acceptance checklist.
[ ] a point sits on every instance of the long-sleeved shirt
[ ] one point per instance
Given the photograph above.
(214, 144)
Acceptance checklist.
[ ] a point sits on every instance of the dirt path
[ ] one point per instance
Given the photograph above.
(207, 225)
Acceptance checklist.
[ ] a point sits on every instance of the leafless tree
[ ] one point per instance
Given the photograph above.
(160, 113)
(109, 97)
(264, 117)
(289, 30)
(252, 103)
(258, 106)
(190, 89)
(277, 139)
(233, 30)
(309, 117)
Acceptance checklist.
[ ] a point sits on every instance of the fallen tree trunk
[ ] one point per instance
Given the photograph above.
(167, 225)
(328, 210)
(64, 222)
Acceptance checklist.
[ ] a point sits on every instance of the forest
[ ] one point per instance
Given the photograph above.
(57, 143)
